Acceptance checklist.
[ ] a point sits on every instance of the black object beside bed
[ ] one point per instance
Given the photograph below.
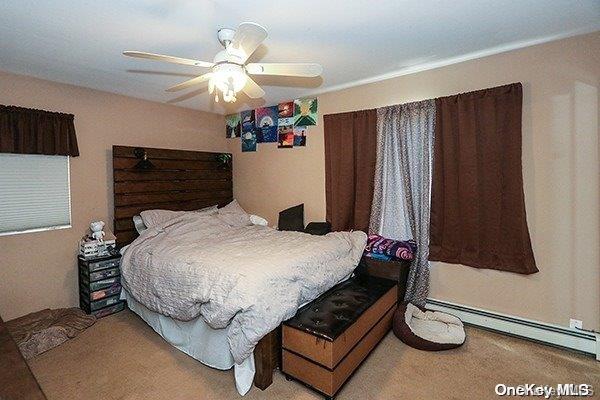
(394, 270)
(292, 219)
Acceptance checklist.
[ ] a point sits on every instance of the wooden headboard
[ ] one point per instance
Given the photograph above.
(179, 180)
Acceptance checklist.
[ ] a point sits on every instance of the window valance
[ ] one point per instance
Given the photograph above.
(30, 131)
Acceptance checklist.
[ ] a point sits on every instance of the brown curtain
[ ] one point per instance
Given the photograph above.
(350, 154)
(477, 204)
(29, 131)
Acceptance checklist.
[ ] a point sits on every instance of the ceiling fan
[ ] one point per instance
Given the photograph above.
(229, 71)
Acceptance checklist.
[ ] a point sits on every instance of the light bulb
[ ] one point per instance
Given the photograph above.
(229, 79)
(227, 97)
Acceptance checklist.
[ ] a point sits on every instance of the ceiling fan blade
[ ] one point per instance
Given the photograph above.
(253, 90)
(288, 69)
(247, 38)
(171, 59)
(191, 82)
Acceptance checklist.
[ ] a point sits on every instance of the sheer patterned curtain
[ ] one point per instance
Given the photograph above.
(401, 198)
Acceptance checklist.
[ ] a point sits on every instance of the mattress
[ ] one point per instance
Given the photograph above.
(198, 340)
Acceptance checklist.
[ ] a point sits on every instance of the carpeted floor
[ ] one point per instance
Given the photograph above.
(120, 357)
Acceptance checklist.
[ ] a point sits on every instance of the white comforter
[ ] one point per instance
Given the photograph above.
(248, 278)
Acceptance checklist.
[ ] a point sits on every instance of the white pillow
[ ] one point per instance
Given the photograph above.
(211, 210)
(139, 224)
(256, 220)
(232, 208)
(156, 217)
(233, 214)
(152, 218)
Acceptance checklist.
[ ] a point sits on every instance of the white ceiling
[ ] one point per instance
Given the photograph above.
(80, 42)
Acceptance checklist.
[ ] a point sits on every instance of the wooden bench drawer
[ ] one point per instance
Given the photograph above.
(327, 340)
(327, 380)
(330, 353)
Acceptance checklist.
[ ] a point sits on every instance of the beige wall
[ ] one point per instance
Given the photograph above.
(39, 270)
(560, 159)
(561, 173)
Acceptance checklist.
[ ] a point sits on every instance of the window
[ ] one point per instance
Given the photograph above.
(34, 193)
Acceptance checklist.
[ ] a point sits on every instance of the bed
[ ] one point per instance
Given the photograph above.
(222, 301)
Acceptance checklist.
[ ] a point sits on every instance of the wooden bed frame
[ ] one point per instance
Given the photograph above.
(179, 180)
(267, 358)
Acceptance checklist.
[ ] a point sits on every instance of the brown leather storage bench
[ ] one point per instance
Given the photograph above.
(329, 338)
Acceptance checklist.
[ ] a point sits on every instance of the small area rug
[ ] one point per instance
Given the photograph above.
(41, 331)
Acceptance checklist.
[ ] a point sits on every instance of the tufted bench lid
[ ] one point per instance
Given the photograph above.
(336, 310)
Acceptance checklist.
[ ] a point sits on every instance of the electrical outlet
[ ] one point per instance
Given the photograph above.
(575, 324)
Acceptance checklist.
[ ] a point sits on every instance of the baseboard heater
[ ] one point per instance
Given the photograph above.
(554, 335)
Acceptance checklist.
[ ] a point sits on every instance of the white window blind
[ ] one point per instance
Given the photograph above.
(34, 193)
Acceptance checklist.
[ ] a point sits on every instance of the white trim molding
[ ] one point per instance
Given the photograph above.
(413, 69)
(554, 335)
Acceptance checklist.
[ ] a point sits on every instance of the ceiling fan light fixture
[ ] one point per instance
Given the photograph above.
(231, 71)
(229, 79)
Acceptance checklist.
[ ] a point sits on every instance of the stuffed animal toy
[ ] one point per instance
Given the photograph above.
(97, 232)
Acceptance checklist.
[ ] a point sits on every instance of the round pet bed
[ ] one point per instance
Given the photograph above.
(427, 330)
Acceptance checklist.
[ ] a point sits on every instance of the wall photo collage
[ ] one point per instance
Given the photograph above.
(285, 124)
